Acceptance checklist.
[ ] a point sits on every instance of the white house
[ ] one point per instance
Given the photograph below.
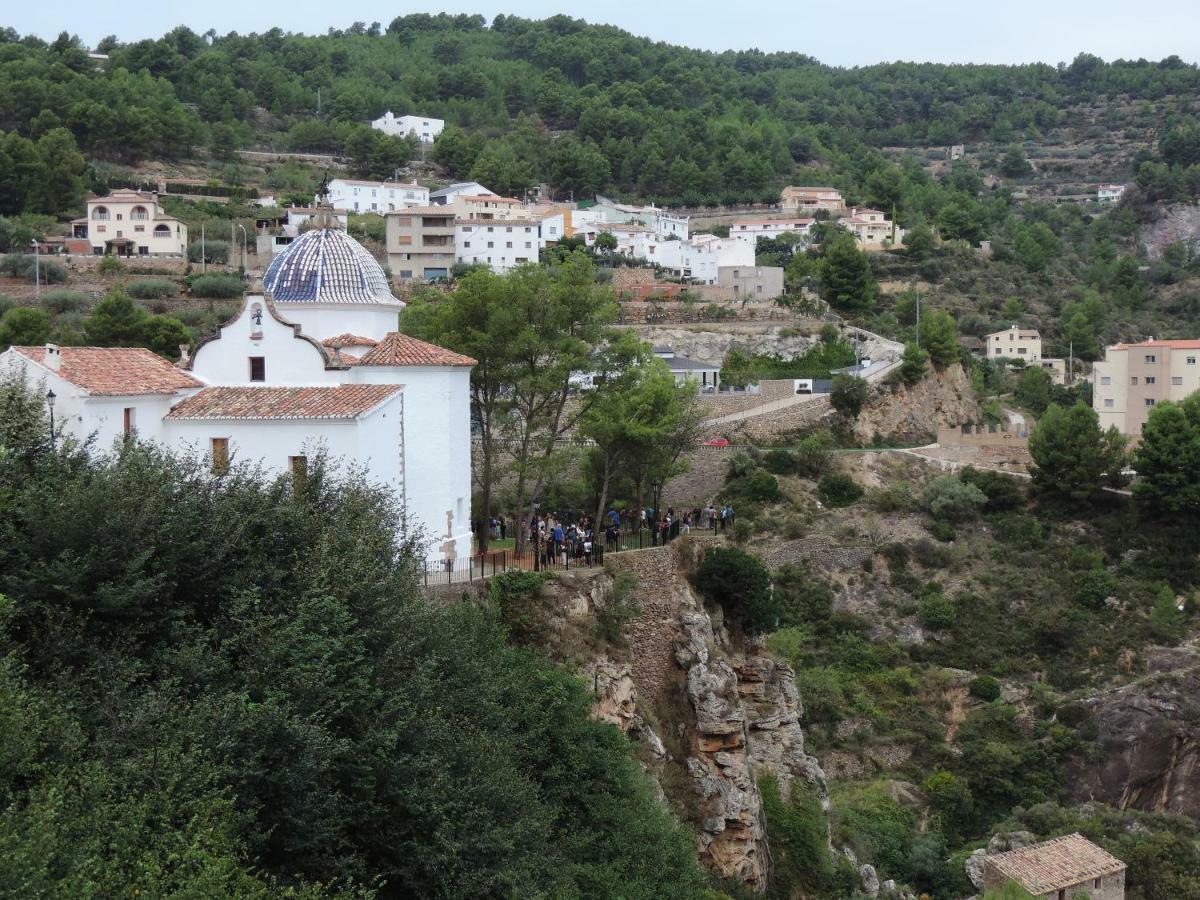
(501, 244)
(312, 363)
(707, 376)
(375, 196)
(426, 128)
(1109, 193)
(446, 195)
(131, 223)
(752, 229)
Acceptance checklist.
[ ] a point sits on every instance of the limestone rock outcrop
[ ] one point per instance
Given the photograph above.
(742, 716)
(1149, 732)
(904, 412)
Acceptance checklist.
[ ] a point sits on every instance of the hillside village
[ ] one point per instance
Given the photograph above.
(610, 486)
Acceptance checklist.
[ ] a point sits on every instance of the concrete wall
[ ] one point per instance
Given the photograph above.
(981, 436)
(755, 282)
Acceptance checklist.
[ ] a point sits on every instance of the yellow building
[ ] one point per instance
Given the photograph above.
(131, 223)
(1133, 378)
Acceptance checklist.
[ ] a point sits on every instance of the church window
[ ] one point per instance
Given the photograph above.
(220, 455)
(258, 368)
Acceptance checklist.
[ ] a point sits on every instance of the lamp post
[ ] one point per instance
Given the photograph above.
(37, 270)
(50, 398)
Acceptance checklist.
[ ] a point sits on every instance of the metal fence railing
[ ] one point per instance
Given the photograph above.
(546, 556)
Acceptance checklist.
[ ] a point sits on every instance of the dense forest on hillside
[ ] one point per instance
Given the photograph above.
(583, 107)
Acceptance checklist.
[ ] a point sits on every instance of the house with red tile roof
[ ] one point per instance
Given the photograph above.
(1065, 868)
(312, 364)
(102, 393)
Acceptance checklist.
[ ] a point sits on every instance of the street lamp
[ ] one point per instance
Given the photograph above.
(50, 398)
(37, 270)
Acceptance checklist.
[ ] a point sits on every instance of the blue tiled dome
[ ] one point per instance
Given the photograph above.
(326, 265)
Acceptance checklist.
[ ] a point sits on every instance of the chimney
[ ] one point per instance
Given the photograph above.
(52, 358)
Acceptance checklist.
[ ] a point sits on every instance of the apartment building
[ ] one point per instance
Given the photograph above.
(1133, 378)
(501, 244)
(752, 229)
(375, 196)
(420, 242)
(486, 206)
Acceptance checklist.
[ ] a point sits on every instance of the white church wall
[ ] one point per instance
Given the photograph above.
(290, 361)
(326, 320)
(437, 433)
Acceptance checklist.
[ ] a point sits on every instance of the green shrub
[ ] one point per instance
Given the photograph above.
(151, 288)
(803, 597)
(837, 489)
(949, 499)
(16, 265)
(779, 462)
(219, 287)
(985, 687)
(1166, 621)
(741, 585)
(931, 555)
(762, 486)
(1022, 531)
(814, 454)
(214, 252)
(620, 607)
(521, 602)
(64, 301)
(46, 272)
(874, 825)
(1002, 491)
(848, 395)
(110, 265)
(740, 464)
(24, 326)
(801, 864)
(897, 555)
(1095, 586)
(943, 531)
(937, 610)
(896, 497)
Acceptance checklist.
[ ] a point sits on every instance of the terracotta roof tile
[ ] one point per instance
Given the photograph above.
(401, 350)
(1055, 864)
(349, 340)
(345, 401)
(116, 371)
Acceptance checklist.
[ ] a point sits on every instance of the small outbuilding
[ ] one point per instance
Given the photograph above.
(1064, 868)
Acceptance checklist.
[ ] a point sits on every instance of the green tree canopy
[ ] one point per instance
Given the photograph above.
(1167, 459)
(1073, 457)
(844, 276)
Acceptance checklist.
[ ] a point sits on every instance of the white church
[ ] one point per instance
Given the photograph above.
(312, 363)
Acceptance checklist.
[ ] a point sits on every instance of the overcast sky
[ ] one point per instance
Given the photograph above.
(839, 32)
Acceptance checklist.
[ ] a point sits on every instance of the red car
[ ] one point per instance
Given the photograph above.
(717, 442)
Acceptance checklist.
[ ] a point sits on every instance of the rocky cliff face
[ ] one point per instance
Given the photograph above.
(1149, 735)
(914, 413)
(728, 716)
(711, 343)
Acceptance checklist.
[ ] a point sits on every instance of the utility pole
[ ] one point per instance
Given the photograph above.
(203, 255)
(918, 325)
(37, 270)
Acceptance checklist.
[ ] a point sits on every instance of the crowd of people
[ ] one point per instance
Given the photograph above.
(566, 537)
